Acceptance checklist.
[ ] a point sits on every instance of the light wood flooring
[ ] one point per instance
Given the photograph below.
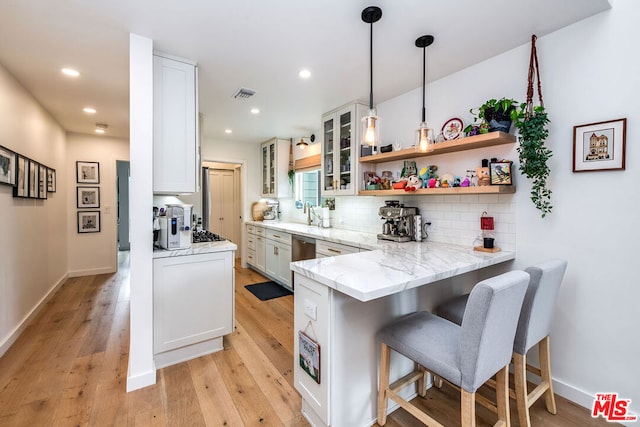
(69, 368)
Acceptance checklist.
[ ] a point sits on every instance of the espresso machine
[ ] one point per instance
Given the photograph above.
(175, 227)
(399, 224)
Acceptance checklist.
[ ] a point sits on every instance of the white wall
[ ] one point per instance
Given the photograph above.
(31, 262)
(94, 253)
(142, 370)
(588, 75)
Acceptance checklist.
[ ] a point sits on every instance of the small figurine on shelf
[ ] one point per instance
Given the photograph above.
(465, 182)
(484, 176)
(414, 182)
(428, 172)
(433, 183)
(456, 181)
(472, 176)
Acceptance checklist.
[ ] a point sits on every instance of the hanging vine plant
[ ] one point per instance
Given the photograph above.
(533, 154)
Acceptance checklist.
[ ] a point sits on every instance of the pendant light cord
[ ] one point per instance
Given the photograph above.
(371, 68)
(424, 61)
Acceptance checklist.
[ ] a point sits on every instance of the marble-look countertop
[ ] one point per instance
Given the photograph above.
(196, 248)
(386, 267)
(358, 239)
(395, 267)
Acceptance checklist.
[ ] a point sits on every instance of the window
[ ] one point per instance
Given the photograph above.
(307, 188)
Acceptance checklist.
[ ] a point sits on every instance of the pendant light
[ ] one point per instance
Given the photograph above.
(425, 134)
(370, 123)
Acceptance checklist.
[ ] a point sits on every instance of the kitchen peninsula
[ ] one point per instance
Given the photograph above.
(341, 303)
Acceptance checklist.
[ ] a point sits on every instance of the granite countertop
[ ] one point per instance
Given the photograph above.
(196, 248)
(386, 267)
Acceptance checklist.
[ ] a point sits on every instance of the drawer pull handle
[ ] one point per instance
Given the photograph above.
(276, 236)
(334, 251)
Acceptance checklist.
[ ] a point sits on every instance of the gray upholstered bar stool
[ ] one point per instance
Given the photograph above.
(534, 328)
(466, 355)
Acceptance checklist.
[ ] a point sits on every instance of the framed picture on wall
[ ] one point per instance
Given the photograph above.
(500, 173)
(88, 221)
(33, 179)
(22, 178)
(87, 172)
(42, 182)
(88, 197)
(51, 180)
(7, 166)
(599, 146)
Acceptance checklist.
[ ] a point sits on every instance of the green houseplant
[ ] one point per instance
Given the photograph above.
(533, 154)
(493, 115)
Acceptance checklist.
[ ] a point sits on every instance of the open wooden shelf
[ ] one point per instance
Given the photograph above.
(469, 143)
(487, 189)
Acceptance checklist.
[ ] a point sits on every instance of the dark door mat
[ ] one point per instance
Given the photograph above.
(268, 290)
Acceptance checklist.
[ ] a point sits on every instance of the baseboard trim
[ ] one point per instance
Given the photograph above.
(92, 271)
(13, 336)
(145, 379)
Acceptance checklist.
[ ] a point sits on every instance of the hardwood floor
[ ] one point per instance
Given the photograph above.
(69, 368)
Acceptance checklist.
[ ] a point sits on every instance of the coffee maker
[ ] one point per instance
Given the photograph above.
(399, 225)
(175, 227)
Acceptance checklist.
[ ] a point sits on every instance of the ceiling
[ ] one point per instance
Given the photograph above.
(259, 45)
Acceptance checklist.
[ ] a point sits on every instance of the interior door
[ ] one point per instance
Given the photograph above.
(221, 218)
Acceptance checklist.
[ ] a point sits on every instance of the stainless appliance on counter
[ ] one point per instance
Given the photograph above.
(271, 214)
(399, 225)
(175, 227)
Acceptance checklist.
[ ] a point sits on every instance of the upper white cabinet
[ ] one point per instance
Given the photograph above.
(275, 157)
(340, 145)
(176, 148)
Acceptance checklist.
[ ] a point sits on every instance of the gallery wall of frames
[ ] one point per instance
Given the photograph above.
(29, 178)
(32, 180)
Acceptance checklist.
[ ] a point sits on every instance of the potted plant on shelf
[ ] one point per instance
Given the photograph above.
(533, 154)
(493, 115)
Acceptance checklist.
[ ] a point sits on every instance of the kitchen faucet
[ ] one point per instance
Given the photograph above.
(308, 209)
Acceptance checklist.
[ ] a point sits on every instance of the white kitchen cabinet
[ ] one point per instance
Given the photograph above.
(275, 158)
(256, 247)
(278, 257)
(340, 150)
(176, 148)
(193, 305)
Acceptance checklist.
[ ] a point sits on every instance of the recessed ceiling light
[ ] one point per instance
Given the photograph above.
(228, 131)
(304, 74)
(70, 72)
(89, 110)
(101, 127)
(255, 110)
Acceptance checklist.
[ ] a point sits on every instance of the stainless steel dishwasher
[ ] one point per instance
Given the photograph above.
(302, 248)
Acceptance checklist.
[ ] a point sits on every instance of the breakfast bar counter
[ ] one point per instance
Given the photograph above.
(342, 302)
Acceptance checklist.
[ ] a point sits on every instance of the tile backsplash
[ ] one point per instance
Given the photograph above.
(454, 218)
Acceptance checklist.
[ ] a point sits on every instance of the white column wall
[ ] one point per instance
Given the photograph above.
(142, 370)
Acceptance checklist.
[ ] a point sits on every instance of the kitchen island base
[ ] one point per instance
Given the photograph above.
(346, 330)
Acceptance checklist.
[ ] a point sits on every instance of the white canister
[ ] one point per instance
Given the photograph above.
(417, 228)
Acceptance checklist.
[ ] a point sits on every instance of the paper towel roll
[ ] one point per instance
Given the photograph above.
(326, 223)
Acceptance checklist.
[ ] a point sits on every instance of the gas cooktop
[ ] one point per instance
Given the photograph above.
(206, 236)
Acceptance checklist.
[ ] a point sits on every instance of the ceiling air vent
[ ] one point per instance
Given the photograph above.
(244, 93)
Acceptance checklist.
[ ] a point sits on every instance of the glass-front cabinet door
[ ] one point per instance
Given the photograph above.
(272, 168)
(339, 155)
(265, 170)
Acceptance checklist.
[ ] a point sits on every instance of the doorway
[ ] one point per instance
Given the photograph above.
(221, 200)
(122, 176)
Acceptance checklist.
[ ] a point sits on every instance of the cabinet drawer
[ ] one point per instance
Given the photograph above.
(279, 236)
(333, 249)
(251, 241)
(251, 256)
(251, 229)
(260, 230)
